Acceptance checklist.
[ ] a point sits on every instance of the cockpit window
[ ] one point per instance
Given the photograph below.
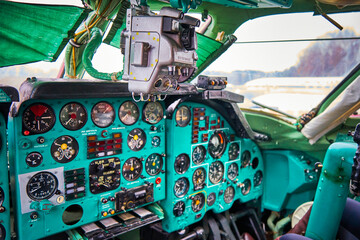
(290, 62)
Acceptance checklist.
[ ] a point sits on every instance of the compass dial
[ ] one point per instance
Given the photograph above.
(132, 169)
(103, 114)
(64, 149)
(34, 159)
(42, 185)
(199, 154)
(153, 112)
(129, 113)
(211, 199)
(73, 116)
(182, 163)
(217, 144)
(38, 118)
(198, 202)
(216, 172)
(136, 139)
(234, 151)
(258, 178)
(183, 116)
(245, 159)
(179, 209)
(229, 194)
(233, 171)
(245, 187)
(153, 164)
(199, 178)
(181, 187)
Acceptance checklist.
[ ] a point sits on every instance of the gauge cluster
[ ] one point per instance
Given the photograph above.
(77, 161)
(209, 167)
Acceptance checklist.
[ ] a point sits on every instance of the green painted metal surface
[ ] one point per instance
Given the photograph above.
(30, 33)
(332, 191)
(289, 179)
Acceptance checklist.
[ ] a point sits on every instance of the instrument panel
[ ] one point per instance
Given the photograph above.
(209, 167)
(77, 161)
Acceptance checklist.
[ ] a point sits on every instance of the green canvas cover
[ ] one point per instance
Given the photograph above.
(31, 33)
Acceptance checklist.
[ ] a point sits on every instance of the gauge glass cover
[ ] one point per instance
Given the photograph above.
(153, 164)
(38, 118)
(199, 178)
(199, 154)
(42, 185)
(129, 113)
(211, 199)
(73, 116)
(34, 159)
(136, 139)
(182, 163)
(216, 172)
(245, 159)
(64, 149)
(181, 187)
(229, 194)
(217, 144)
(233, 171)
(246, 187)
(153, 112)
(198, 202)
(258, 178)
(103, 114)
(234, 151)
(179, 209)
(132, 169)
(183, 116)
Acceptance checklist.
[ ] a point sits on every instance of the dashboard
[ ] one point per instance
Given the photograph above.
(91, 154)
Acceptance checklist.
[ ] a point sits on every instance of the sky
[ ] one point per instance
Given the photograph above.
(264, 57)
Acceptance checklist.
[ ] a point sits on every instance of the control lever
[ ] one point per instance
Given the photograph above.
(355, 174)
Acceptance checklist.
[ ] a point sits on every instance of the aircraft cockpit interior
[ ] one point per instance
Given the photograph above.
(165, 147)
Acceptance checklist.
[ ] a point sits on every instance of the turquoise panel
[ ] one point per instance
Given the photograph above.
(77, 200)
(289, 180)
(204, 123)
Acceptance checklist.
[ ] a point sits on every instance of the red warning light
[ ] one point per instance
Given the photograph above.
(158, 180)
(26, 132)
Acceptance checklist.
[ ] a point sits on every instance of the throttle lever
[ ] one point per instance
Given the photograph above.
(355, 173)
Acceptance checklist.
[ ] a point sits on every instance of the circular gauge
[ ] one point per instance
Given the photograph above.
(258, 178)
(153, 112)
(183, 116)
(234, 151)
(34, 159)
(2, 196)
(182, 163)
(64, 149)
(73, 116)
(155, 141)
(2, 232)
(181, 187)
(179, 209)
(153, 164)
(198, 202)
(233, 171)
(217, 144)
(103, 114)
(198, 178)
(199, 154)
(132, 169)
(216, 172)
(245, 187)
(136, 139)
(41, 186)
(38, 118)
(129, 113)
(229, 194)
(245, 159)
(211, 199)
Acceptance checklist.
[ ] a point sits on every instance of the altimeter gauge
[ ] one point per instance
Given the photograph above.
(153, 112)
(229, 194)
(73, 116)
(179, 209)
(199, 178)
(233, 171)
(234, 151)
(216, 172)
(183, 116)
(103, 114)
(38, 118)
(129, 113)
(198, 202)
(132, 169)
(42, 185)
(199, 154)
(64, 149)
(153, 164)
(136, 139)
(181, 187)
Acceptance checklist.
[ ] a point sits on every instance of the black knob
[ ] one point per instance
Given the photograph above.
(34, 215)
(40, 140)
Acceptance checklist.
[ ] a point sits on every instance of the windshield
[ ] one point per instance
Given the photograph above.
(290, 62)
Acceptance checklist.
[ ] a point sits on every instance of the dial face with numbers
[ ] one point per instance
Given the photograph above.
(153, 112)
(38, 118)
(34, 159)
(183, 116)
(182, 163)
(153, 164)
(42, 185)
(258, 178)
(199, 154)
(229, 194)
(129, 113)
(199, 178)
(234, 150)
(216, 172)
(73, 116)
(136, 139)
(198, 202)
(245, 159)
(132, 169)
(179, 209)
(233, 171)
(211, 199)
(64, 149)
(246, 187)
(103, 114)
(217, 144)
(181, 187)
